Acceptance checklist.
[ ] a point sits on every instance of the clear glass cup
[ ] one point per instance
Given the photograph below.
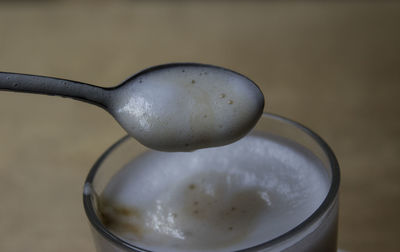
(315, 234)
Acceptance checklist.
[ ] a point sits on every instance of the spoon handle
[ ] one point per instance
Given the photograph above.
(54, 86)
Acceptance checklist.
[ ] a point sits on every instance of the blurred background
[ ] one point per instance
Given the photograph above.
(334, 66)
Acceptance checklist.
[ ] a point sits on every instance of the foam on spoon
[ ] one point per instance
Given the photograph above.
(188, 107)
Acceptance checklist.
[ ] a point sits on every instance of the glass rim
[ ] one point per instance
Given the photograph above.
(325, 205)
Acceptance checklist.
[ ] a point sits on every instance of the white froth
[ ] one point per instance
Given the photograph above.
(186, 108)
(218, 199)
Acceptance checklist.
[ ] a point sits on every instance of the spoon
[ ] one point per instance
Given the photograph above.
(171, 107)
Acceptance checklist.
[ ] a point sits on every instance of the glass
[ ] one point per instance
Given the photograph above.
(317, 233)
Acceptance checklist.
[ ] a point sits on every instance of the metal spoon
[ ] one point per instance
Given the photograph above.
(171, 107)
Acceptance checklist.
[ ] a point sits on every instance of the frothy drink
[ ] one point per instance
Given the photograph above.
(216, 199)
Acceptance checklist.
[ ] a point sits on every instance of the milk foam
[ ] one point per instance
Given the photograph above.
(184, 108)
(218, 199)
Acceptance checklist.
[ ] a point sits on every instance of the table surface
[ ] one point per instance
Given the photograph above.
(335, 67)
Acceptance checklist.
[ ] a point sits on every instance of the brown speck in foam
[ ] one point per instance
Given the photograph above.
(230, 102)
(192, 186)
(124, 211)
(109, 213)
(193, 81)
(222, 95)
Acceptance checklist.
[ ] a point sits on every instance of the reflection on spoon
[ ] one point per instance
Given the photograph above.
(171, 107)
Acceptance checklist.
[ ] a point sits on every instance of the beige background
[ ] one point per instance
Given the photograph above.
(333, 66)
